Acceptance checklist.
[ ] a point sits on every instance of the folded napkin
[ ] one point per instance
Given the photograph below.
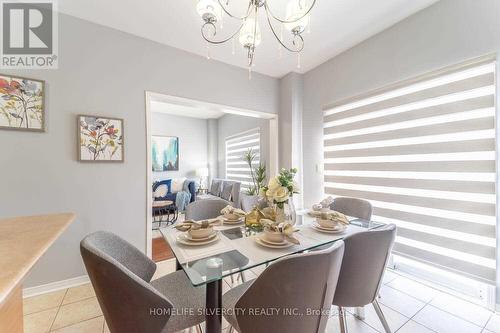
(327, 202)
(334, 216)
(195, 225)
(232, 210)
(285, 228)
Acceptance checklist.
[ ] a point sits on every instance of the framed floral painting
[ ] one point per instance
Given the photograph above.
(100, 139)
(22, 103)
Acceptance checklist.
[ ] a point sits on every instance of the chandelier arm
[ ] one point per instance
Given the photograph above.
(215, 28)
(301, 39)
(233, 16)
(268, 10)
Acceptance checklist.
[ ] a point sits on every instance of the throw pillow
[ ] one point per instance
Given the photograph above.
(227, 192)
(161, 191)
(178, 184)
(215, 188)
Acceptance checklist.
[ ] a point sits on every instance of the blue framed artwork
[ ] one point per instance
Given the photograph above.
(165, 153)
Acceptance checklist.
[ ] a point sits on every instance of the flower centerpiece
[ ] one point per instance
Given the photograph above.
(279, 194)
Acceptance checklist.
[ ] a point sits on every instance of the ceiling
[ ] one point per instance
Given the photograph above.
(336, 25)
(179, 106)
(185, 111)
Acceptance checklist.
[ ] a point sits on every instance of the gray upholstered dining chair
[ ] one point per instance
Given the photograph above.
(300, 282)
(205, 209)
(130, 301)
(362, 209)
(365, 258)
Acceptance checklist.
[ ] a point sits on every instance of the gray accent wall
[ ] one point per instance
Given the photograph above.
(447, 33)
(192, 134)
(106, 72)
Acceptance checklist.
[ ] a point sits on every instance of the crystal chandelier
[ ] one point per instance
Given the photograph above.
(249, 34)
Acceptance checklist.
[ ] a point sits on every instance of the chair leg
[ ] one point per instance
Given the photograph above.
(381, 316)
(198, 329)
(342, 320)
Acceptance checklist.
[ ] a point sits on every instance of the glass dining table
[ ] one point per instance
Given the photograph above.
(237, 249)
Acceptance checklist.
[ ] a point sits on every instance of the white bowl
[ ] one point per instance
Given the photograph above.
(201, 233)
(273, 236)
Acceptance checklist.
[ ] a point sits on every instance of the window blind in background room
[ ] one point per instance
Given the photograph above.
(236, 146)
(424, 155)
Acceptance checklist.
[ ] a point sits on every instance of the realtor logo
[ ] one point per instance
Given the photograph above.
(29, 34)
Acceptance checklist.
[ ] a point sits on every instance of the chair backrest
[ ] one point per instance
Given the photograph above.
(365, 258)
(297, 284)
(235, 192)
(354, 207)
(120, 275)
(205, 209)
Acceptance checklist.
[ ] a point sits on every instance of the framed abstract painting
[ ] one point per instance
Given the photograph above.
(165, 153)
(22, 103)
(100, 139)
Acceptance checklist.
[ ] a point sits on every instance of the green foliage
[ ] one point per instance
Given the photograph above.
(285, 178)
(258, 172)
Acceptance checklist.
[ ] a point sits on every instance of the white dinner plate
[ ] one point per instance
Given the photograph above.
(285, 245)
(319, 228)
(282, 243)
(184, 239)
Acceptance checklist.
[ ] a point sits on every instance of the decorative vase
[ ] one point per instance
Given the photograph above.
(252, 218)
(286, 212)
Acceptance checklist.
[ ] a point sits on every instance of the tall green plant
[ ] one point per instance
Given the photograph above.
(258, 172)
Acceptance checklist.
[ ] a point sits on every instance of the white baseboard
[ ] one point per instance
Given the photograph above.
(54, 286)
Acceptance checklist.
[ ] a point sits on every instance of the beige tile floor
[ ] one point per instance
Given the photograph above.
(410, 307)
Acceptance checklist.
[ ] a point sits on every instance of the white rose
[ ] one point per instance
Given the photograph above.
(281, 194)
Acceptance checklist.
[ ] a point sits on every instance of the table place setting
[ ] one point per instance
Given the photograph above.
(276, 235)
(232, 216)
(197, 233)
(331, 222)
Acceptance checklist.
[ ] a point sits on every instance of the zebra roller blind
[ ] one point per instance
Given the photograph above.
(236, 146)
(424, 155)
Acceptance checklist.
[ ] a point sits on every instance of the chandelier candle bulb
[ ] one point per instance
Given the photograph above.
(209, 10)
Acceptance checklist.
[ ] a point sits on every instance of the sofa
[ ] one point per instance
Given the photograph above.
(216, 191)
(165, 189)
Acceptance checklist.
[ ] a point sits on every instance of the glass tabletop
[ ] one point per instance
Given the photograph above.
(237, 248)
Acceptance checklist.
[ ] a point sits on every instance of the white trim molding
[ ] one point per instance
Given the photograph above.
(55, 286)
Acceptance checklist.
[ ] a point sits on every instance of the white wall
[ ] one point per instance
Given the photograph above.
(105, 72)
(449, 32)
(213, 150)
(230, 124)
(193, 150)
(290, 129)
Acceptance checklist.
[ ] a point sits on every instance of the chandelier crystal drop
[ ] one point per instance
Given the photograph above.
(249, 33)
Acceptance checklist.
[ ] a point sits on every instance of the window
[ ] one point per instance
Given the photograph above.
(424, 155)
(236, 146)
